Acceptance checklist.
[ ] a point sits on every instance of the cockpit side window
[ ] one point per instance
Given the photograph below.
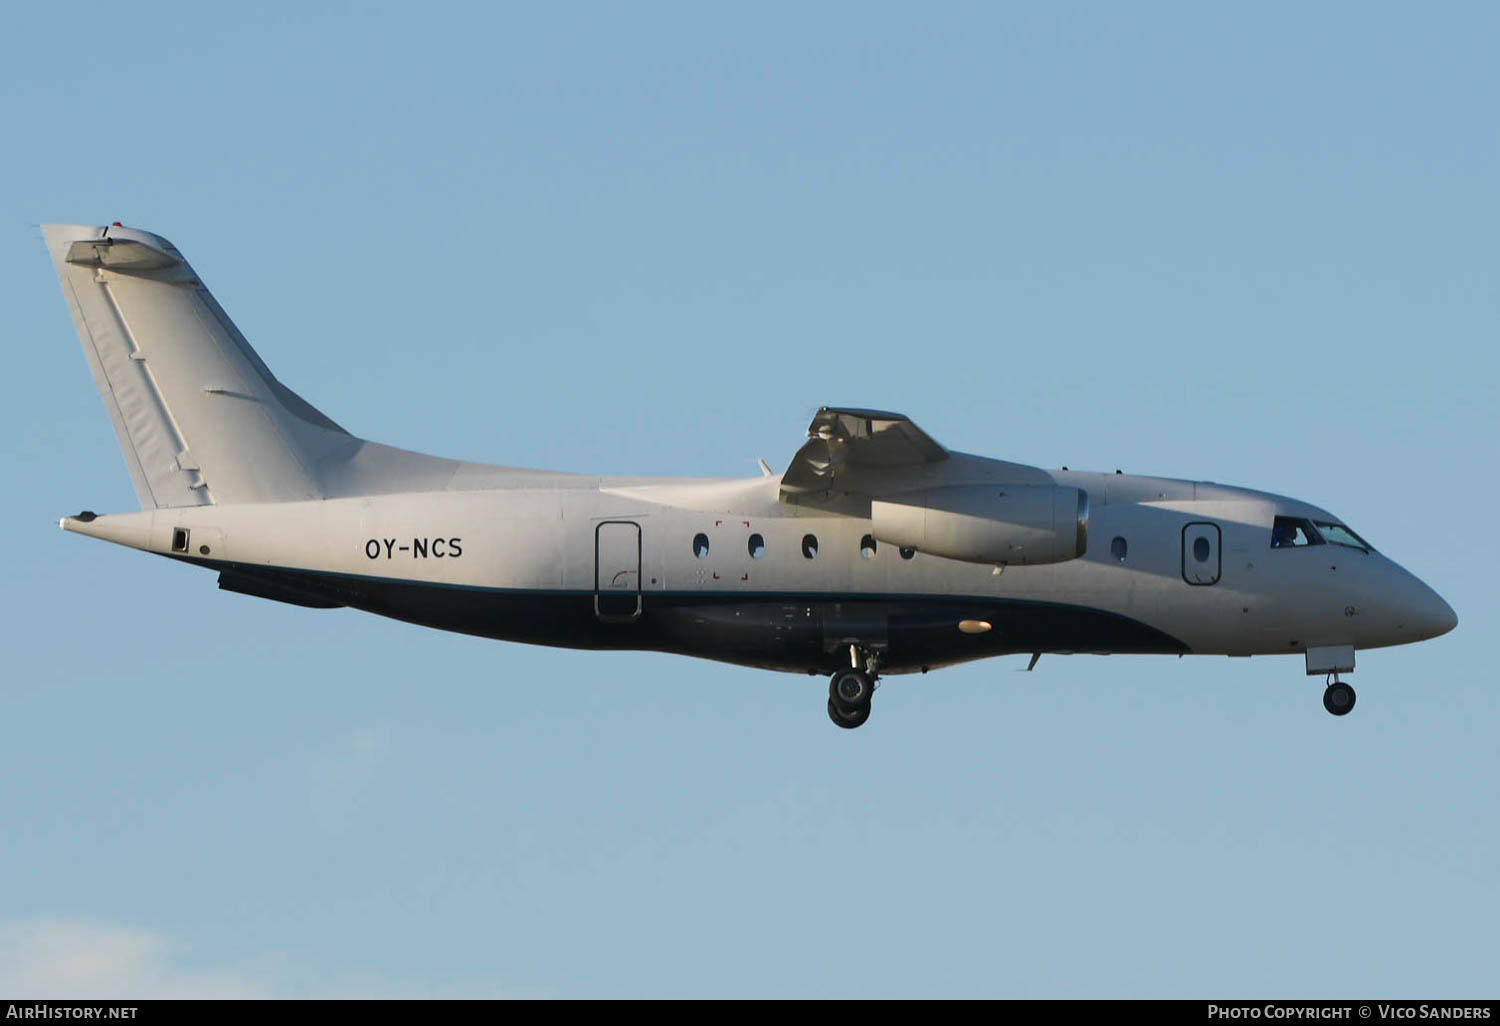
(1293, 533)
(1338, 534)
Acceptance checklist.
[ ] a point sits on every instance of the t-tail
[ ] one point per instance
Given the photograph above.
(199, 417)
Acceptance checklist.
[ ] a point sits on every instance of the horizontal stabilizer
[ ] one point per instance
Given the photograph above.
(121, 255)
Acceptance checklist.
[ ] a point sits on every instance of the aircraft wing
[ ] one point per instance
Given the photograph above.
(843, 443)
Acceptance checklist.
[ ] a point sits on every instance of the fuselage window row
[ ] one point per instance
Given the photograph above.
(756, 546)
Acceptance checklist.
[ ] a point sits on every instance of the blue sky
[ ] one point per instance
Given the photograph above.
(1255, 246)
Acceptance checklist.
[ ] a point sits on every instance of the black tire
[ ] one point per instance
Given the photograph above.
(848, 720)
(1338, 698)
(851, 689)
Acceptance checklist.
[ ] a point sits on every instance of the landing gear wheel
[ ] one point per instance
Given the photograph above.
(848, 720)
(850, 690)
(1338, 698)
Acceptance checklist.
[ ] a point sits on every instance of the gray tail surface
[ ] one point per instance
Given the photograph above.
(199, 417)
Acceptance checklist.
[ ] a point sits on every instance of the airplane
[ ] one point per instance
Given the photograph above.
(877, 551)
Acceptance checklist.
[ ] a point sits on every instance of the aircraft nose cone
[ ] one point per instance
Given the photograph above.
(1427, 615)
(1444, 619)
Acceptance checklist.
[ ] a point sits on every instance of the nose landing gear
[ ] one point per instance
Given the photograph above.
(1338, 697)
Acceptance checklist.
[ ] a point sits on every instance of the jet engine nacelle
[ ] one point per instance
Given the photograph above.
(1014, 524)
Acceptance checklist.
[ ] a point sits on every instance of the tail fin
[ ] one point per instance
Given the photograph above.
(198, 416)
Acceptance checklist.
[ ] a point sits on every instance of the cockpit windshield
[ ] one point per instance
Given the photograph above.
(1338, 534)
(1293, 533)
(1296, 533)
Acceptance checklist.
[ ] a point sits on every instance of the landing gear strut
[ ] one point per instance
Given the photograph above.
(1338, 697)
(850, 691)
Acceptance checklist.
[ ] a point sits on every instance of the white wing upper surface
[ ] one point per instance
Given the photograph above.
(853, 455)
(842, 443)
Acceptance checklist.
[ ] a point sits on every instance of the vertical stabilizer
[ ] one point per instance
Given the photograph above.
(199, 417)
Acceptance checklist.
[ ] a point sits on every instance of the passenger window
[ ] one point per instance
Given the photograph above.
(757, 546)
(700, 546)
(1293, 533)
(1118, 548)
(809, 546)
(867, 546)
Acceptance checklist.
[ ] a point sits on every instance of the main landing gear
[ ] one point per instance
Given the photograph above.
(1338, 697)
(850, 691)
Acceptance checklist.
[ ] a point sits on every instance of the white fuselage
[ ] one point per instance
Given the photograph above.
(1245, 598)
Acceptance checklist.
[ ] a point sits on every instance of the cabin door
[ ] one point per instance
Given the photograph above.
(1202, 560)
(617, 571)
